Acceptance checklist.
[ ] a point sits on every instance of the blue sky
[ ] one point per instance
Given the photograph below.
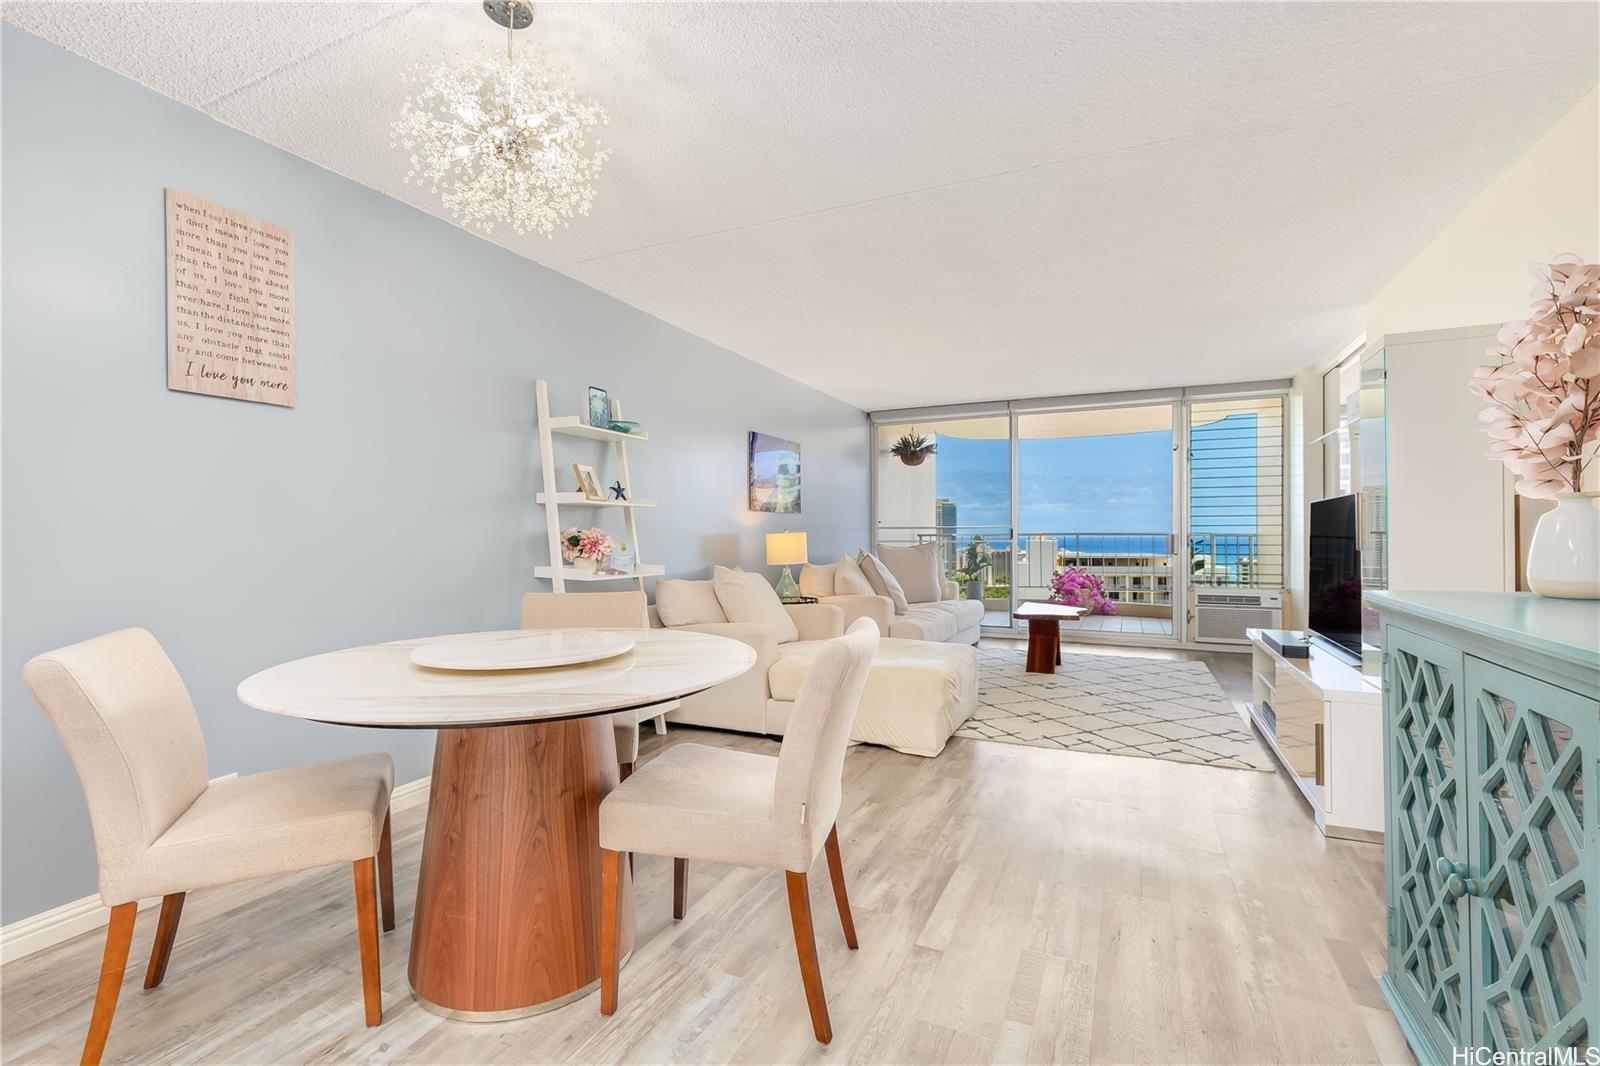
(1107, 484)
(1117, 484)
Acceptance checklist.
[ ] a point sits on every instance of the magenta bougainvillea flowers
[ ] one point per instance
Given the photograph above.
(1076, 587)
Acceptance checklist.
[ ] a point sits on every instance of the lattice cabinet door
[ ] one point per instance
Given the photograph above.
(1427, 834)
(1533, 856)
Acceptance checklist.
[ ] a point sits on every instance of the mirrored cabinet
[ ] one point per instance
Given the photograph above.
(1492, 736)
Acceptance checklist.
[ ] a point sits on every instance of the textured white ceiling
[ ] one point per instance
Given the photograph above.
(927, 203)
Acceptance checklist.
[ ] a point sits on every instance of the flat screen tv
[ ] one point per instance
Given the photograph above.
(1334, 581)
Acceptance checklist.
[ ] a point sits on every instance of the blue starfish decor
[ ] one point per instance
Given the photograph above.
(618, 492)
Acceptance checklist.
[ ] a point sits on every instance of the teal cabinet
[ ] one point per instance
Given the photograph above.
(1425, 833)
(1491, 752)
(1532, 858)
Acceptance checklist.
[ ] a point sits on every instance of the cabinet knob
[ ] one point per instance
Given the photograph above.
(1456, 881)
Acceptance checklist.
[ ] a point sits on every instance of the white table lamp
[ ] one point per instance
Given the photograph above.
(786, 549)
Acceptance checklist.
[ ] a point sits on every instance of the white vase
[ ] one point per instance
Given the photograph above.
(1564, 558)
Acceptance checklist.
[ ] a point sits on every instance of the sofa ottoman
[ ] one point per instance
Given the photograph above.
(917, 694)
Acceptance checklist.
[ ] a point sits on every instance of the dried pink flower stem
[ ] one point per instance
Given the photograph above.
(1543, 388)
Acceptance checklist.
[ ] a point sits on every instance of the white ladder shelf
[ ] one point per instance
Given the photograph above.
(552, 499)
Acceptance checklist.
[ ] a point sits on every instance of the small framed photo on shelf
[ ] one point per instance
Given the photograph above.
(588, 482)
(599, 407)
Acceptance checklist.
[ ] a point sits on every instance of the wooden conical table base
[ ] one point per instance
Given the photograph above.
(507, 918)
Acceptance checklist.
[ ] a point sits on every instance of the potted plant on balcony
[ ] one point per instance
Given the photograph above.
(912, 448)
(975, 559)
(972, 586)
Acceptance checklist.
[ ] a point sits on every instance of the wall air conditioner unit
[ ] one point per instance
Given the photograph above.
(1222, 615)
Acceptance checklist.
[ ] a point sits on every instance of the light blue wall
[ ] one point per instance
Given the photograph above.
(395, 500)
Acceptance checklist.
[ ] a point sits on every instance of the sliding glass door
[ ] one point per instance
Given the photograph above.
(949, 480)
(1151, 496)
(1095, 498)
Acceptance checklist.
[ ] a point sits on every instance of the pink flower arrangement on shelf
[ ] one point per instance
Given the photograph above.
(1543, 387)
(1076, 587)
(592, 546)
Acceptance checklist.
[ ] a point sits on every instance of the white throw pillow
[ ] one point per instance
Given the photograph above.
(817, 579)
(746, 597)
(883, 581)
(919, 569)
(848, 579)
(687, 603)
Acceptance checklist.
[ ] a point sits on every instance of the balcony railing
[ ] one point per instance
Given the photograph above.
(1136, 568)
(1231, 559)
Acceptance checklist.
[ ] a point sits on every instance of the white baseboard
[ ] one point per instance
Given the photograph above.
(25, 936)
(411, 794)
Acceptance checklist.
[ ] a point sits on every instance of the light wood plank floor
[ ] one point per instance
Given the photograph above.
(1014, 905)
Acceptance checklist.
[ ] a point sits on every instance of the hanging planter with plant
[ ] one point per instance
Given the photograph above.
(913, 448)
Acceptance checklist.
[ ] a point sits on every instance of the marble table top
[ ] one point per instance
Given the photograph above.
(379, 685)
(522, 650)
(1035, 609)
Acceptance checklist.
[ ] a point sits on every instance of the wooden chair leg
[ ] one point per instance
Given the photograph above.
(367, 930)
(680, 888)
(840, 897)
(805, 946)
(166, 933)
(119, 936)
(386, 877)
(610, 904)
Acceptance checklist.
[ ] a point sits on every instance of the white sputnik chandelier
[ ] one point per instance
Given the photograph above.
(503, 139)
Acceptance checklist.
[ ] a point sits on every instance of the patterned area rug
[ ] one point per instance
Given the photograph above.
(1114, 704)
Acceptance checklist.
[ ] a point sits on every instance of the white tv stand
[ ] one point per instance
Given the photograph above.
(1323, 719)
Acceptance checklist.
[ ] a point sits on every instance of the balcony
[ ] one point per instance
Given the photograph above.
(1137, 570)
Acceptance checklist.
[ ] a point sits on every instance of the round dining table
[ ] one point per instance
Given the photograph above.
(507, 916)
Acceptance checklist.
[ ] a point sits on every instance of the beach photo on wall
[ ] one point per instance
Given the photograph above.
(774, 474)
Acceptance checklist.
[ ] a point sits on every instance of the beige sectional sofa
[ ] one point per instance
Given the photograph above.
(946, 621)
(921, 605)
(917, 694)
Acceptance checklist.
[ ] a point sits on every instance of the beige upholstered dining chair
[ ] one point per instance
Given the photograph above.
(160, 829)
(718, 805)
(595, 610)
